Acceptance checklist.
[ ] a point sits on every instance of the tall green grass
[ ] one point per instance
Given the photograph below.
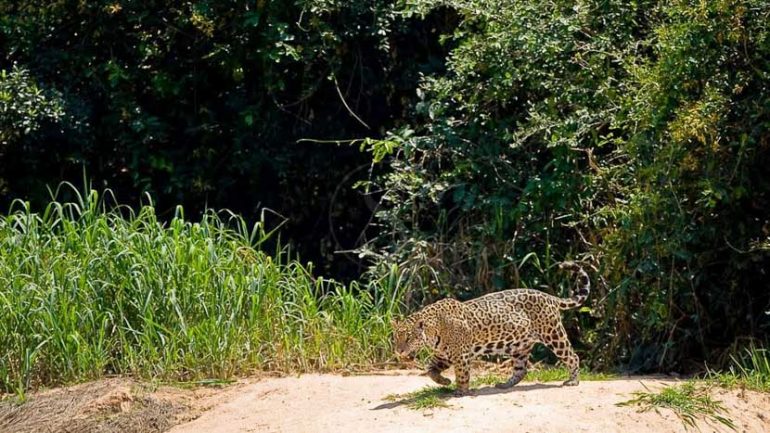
(750, 370)
(90, 288)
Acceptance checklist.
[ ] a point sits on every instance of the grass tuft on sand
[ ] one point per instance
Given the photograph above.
(690, 401)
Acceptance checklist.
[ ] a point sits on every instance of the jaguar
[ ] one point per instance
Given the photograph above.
(506, 323)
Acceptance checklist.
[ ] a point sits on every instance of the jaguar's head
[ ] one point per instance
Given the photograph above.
(408, 336)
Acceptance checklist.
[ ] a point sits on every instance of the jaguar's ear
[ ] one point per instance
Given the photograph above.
(421, 329)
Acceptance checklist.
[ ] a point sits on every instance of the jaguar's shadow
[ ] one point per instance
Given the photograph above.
(492, 390)
(436, 396)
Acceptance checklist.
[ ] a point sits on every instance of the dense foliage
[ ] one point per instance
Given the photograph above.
(632, 134)
(505, 136)
(201, 103)
(92, 288)
(23, 105)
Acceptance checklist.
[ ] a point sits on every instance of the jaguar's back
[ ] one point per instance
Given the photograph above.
(539, 308)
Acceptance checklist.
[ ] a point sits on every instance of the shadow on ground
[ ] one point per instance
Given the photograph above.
(437, 396)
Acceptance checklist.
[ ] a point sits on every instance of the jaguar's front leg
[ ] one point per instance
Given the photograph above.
(437, 365)
(462, 374)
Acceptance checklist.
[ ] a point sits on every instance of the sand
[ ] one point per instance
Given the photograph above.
(331, 403)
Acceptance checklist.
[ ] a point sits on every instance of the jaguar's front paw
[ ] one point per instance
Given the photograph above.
(571, 382)
(438, 378)
(441, 380)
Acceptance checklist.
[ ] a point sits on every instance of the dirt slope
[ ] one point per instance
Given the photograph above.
(329, 403)
(115, 405)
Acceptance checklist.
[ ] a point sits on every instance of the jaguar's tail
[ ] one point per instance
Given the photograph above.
(580, 293)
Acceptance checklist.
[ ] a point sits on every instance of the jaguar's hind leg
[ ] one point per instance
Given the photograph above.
(435, 367)
(519, 352)
(561, 347)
